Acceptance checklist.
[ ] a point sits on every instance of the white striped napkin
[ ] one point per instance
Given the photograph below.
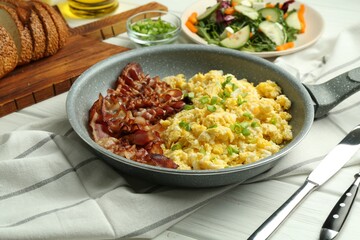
(53, 187)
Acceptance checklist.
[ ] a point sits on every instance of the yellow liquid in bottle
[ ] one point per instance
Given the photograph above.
(92, 8)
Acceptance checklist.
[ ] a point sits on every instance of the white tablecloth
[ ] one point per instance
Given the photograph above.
(237, 213)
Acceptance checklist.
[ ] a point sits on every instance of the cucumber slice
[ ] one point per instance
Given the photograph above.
(247, 11)
(227, 30)
(293, 21)
(238, 39)
(256, 4)
(274, 31)
(208, 12)
(271, 14)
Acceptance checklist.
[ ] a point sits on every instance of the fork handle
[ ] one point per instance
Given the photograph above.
(339, 213)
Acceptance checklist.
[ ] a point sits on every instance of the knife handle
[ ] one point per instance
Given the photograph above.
(339, 213)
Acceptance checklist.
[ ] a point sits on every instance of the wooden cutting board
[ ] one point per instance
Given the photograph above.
(53, 75)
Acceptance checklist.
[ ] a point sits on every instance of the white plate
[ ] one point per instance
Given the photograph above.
(314, 27)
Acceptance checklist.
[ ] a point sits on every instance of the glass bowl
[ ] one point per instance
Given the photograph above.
(152, 28)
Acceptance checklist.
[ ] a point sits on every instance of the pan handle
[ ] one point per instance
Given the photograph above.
(329, 94)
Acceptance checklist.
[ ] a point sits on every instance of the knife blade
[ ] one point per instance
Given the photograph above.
(339, 213)
(332, 163)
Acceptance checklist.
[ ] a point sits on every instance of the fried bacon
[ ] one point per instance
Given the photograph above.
(126, 120)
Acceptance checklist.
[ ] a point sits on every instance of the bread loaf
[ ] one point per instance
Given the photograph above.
(36, 29)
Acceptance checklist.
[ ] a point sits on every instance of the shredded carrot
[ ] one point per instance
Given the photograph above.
(286, 15)
(285, 46)
(268, 18)
(270, 5)
(301, 13)
(193, 18)
(229, 11)
(251, 34)
(191, 27)
(234, 3)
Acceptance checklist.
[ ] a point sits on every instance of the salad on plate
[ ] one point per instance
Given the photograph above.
(249, 25)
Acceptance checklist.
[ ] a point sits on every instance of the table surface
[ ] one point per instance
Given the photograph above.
(236, 214)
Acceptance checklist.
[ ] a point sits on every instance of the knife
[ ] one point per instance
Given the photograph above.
(339, 213)
(332, 162)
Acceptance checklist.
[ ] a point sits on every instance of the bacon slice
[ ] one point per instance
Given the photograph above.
(125, 121)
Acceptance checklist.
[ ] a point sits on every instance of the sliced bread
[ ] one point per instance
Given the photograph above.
(8, 52)
(36, 30)
(59, 22)
(22, 10)
(30, 20)
(52, 36)
(38, 36)
(20, 34)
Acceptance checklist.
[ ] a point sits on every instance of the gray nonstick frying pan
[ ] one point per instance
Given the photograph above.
(308, 103)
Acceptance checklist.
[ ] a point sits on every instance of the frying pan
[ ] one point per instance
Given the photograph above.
(308, 103)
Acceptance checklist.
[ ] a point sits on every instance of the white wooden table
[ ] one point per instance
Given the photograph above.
(238, 213)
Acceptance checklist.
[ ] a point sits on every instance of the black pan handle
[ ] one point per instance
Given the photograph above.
(339, 213)
(329, 94)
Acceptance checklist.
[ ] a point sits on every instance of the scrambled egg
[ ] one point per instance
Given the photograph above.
(229, 123)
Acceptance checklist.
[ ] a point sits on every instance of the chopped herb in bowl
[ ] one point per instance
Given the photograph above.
(153, 28)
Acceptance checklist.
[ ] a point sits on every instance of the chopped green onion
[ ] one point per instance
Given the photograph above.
(232, 150)
(204, 99)
(240, 101)
(246, 132)
(227, 80)
(213, 100)
(244, 124)
(248, 115)
(255, 124)
(176, 146)
(225, 94)
(188, 107)
(212, 126)
(211, 108)
(236, 128)
(185, 125)
(153, 27)
(234, 87)
(241, 128)
(191, 95)
(202, 151)
(273, 121)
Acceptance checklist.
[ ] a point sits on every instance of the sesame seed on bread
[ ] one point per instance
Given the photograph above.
(52, 36)
(22, 11)
(38, 36)
(31, 20)
(8, 53)
(20, 34)
(35, 28)
(59, 22)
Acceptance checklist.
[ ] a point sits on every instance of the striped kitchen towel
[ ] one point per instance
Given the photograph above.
(53, 187)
